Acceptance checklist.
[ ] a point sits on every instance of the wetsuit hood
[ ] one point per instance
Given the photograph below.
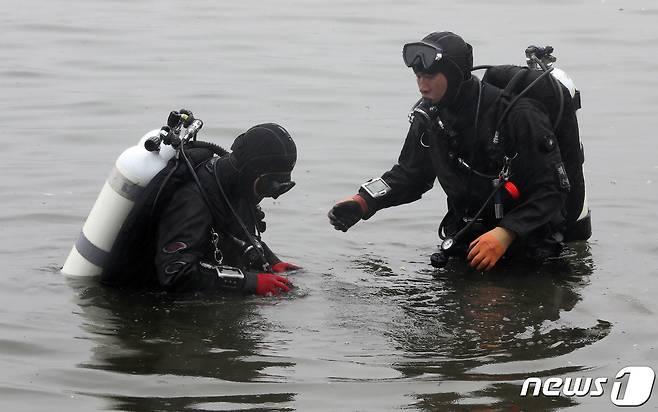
(456, 63)
(267, 153)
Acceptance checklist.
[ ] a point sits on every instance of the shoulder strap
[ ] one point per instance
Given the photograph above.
(517, 97)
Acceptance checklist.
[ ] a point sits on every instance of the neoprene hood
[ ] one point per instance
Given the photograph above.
(263, 149)
(456, 62)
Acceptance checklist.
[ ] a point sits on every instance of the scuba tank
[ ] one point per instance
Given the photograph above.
(114, 242)
(133, 170)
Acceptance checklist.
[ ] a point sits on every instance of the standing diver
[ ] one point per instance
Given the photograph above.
(499, 163)
(197, 226)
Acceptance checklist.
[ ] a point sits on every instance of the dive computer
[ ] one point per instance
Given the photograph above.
(376, 188)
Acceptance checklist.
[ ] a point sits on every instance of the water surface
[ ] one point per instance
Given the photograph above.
(371, 326)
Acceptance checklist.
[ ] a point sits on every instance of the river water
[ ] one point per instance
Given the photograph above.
(370, 326)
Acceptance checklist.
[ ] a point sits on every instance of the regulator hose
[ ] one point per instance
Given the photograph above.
(216, 149)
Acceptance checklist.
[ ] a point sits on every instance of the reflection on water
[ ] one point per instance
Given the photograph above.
(444, 332)
(260, 402)
(497, 397)
(456, 320)
(158, 335)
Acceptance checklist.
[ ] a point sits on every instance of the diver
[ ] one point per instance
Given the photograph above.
(500, 165)
(204, 228)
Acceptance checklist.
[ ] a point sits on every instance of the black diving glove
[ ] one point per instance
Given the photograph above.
(347, 212)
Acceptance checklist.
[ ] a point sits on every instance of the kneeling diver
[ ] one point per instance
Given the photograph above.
(204, 232)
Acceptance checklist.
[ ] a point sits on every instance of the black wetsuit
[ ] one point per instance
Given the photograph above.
(180, 253)
(536, 169)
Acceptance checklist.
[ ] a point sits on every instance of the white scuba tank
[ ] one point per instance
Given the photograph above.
(133, 170)
(567, 82)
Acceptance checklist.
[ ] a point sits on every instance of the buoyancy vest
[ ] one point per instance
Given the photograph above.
(561, 107)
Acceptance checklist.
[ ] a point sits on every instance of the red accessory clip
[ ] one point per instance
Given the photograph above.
(512, 190)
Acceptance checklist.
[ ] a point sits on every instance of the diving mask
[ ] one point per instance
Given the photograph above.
(273, 184)
(421, 55)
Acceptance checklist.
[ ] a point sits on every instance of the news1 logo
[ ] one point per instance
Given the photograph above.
(638, 386)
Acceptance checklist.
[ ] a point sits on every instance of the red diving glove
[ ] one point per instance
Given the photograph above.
(347, 212)
(485, 251)
(284, 267)
(268, 284)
